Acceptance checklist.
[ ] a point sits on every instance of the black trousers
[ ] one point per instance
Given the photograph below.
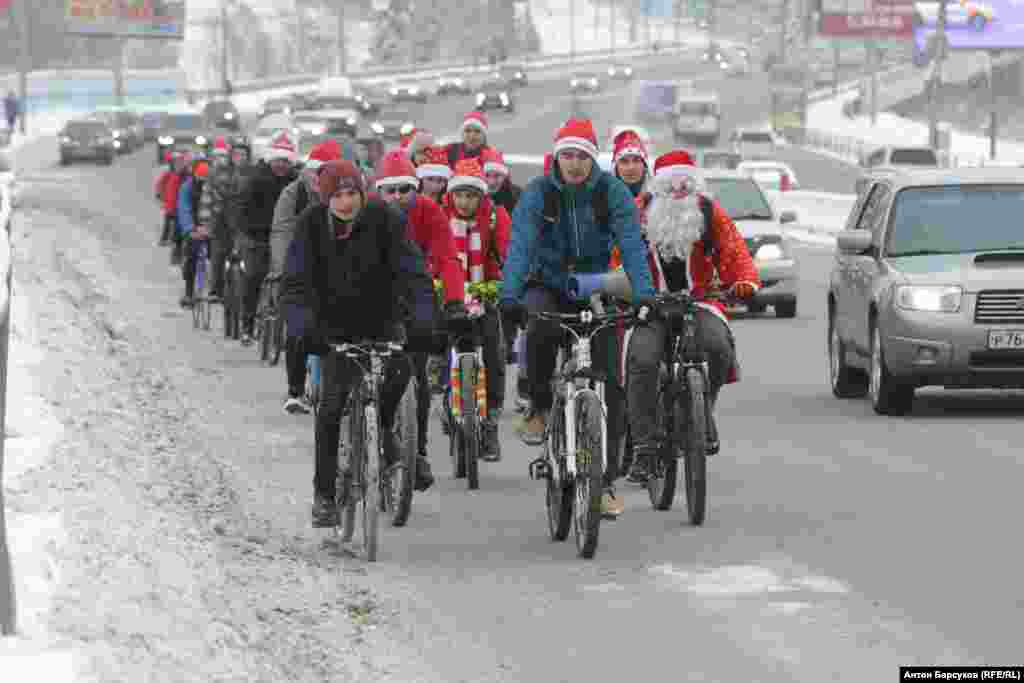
(423, 398)
(257, 264)
(338, 374)
(295, 366)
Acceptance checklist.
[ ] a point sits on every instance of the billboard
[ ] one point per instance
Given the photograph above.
(970, 25)
(126, 18)
(860, 19)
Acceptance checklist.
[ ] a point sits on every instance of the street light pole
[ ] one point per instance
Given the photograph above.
(572, 30)
(24, 61)
(936, 80)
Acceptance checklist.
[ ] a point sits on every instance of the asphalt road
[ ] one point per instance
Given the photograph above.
(838, 545)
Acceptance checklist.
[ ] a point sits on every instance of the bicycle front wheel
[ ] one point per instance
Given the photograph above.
(661, 480)
(398, 485)
(265, 332)
(471, 422)
(372, 457)
(691, 420)
(589, 474)
(558, 493)
(277, 339)
(350, 457)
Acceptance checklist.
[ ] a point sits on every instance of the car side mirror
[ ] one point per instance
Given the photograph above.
(853, 242)
(787, 217)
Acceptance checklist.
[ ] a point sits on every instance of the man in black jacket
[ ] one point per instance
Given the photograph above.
(363, 280)
(257, 217)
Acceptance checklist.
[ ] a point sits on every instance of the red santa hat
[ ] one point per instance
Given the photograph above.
(395, 168)
(549, 159)
(329, 150)
(282, 147)
(494, 162)
(422, 139)
(469, 175)
(407, 135)
(475, 119)
(220, 147)
(676, 162)
(626, 144)
(577, 134)
(436, 166)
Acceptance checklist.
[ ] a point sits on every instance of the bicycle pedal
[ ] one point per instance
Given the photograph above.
(540, 468)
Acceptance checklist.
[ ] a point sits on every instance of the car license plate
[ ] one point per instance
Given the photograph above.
(1006, 339)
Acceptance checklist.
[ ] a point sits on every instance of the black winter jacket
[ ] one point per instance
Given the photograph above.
(361, 287)
(258, 201)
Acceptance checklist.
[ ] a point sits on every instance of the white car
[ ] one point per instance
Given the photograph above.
(755, 142)
(763, 230)
(770, 175)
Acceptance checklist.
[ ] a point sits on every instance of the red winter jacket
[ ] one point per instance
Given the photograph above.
(428, 228)
(169, 187)
(500, 239)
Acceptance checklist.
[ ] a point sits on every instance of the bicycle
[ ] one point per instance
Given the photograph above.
(682, 409)
(465, 402)
(362, 481)
(577, 427)
(201, 309)
(234, 293)
(269, 326)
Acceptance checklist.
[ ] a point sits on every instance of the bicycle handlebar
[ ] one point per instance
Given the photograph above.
(366, 348)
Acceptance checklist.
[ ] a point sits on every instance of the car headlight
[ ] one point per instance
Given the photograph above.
(573, 83)
(287, 110)
(929, 298)
(770, 252)
(117, 134)
(376, 127)
(414, 90)
(165, 140)
(394, 91)
(480, 97)
(117, 143)
(229, 115)
(442, 82)
(593, 81)
(64, 139)
(629, 71)
(611, 72)
(504, 98)
(723, 65)
(350, 121)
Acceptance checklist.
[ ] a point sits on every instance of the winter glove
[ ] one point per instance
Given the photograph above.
(743, 290)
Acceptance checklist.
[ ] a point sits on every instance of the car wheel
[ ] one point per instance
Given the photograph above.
(786, 309)
(846, 381)
(64, 160)
(888, 396)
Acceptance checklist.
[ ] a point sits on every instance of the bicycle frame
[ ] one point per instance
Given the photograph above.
(684, 353)
(455, 382)
(373, 376)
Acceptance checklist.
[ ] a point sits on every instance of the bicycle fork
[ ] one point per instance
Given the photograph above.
(578, 388)
(479, 387)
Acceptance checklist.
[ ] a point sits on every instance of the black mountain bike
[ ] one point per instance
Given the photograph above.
(269, 327)
(234, 292)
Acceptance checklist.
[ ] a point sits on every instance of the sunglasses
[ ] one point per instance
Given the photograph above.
(397, 189)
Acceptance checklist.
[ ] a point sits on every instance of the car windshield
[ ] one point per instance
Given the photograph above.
(696, 109)
(184, 121)
(956, 220)
(914, 157)
(756, 136)
(86, 128)
(740, 197)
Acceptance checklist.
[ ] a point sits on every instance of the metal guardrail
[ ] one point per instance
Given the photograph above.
(7, 611)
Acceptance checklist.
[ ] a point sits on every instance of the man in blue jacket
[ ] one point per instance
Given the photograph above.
(568, 221)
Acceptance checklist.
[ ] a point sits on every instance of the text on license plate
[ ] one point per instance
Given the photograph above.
(1006, 339)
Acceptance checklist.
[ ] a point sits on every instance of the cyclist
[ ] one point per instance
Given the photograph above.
(257, 216)
(499, 180)
(481, 232)
(434, 174)
(686, 226)
(427, 226)
(221, 239)
(556, 229)
(167, 187)
(629, 157)
(474, 139)
(362, 279)
(294, 199)
(195, 216)
(420, 147)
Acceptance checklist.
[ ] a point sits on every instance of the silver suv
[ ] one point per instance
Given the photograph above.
(927, 287)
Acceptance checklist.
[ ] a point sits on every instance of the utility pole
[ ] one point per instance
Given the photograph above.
(24, 61)
(614, 28)
(936, 80)
(678, 7)
(119, 70)
(225, 43)
(783, 20)
(342, 62)
(993, 115)
(572, 30)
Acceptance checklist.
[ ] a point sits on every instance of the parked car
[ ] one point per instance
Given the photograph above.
(453, 84)
(697, 118)
(763, 229)
(494, 95)
(754, 143)
(335, 102)
(584, 83)
(407, 92)
(620, 72)
(927, 287)
(890, 159)
(183, 130)
(222, 114)
(770, 175)
(515, 74)
(90, 138)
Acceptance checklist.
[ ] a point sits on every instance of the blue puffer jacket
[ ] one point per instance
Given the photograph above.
(546, 250)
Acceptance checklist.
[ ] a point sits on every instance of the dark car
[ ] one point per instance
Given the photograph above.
(407, 92)
(184, 131)
(327, 123)
(152, 124)
(222, 114)
(515, 74)
(356, 102)
(584, 82)
(126, 126)
(392, 123)
(376, 96)
(620, 72)
(281, 105)
(90, 138)
(453, 84)
(494, 95)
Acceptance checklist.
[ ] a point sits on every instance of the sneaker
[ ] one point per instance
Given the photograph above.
(611, 505)
(713, 446)
(491, 443)
(424, 477)
(295, 405)
(325, 512)
(533, 428)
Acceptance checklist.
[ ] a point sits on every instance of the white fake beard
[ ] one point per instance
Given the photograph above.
(673, 225)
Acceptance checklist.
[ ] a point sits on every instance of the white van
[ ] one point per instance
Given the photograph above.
(698, 118)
